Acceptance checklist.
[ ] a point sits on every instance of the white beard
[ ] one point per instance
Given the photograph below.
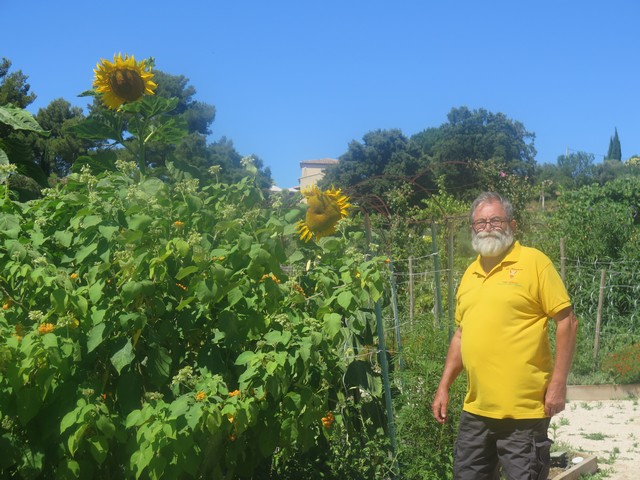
(493, 243)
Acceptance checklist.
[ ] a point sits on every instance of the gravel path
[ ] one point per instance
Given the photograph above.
(609, 429)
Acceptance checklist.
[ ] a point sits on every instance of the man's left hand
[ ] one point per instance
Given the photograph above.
(555, 398)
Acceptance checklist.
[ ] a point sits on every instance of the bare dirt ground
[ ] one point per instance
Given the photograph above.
(609, 429)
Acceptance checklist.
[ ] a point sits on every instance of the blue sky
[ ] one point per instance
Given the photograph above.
(299, 80)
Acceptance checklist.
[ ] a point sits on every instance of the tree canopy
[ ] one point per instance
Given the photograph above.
(458, 155)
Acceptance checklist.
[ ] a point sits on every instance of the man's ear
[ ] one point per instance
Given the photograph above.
(513, 224)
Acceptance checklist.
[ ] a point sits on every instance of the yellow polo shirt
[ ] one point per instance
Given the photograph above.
(503, 319)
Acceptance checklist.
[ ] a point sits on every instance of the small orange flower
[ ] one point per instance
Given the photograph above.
(179, 285)
(200, 396)
(234, 393)
(73, 276)
(46, 328)
(271, 276)
(231, 418)
(178, 224)
(328, 420)
(5, 306)
(298, 289)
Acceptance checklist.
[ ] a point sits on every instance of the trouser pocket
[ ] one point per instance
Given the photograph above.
(542, 450)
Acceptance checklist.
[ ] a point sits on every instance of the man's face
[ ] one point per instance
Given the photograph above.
(492, 231)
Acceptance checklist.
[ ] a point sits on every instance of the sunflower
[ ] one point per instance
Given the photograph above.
(124, 80)
(325, 210)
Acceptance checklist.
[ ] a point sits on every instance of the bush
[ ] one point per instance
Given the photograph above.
(624, 364)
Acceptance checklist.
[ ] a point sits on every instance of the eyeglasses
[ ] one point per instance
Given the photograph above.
(495, 222)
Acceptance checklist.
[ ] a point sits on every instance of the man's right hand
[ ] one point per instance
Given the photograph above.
(439, 405)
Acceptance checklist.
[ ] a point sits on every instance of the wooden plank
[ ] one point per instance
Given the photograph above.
(588, 465)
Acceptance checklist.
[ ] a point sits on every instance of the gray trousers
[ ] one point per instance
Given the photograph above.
(520, 447)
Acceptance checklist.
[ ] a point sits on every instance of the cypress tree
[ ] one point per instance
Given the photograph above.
(615, 151)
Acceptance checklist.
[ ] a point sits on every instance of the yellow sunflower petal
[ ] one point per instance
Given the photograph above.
(325, 210)
(123, 80)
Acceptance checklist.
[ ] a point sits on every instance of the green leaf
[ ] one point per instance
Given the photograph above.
(69, 419)
(276, 336)
(69, 469)
(107, 231)
(332, 324)
(98, 447)
(159, 365)
(182, 247)
(134, 419)
(179, 407)
(106, 426)
(193, 416)
(85, 251)
(123, 357)
(170, 130)
(132, 290)
(99, 127)
(95, 336)
(29, 401)
(95, 292)
(139, 222)
(59, 299)
(213, 421)
(20, 119)
(74, 440)
(10, 225)
(295, 257)
(63, 237)
(152, 186)
(344, 299)
(245, 357)
(82, 304)
(234, 296)
(140, 460)
(150, 106)
(186, 271)
(98, 162)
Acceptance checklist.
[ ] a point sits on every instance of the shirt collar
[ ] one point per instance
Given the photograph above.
(512, 256)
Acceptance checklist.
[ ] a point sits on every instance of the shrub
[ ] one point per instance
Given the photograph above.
(624, 364)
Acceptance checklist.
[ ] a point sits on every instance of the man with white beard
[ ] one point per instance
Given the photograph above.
(514, 384)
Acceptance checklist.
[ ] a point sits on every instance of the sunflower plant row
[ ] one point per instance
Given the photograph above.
(164, 329)
(150, 329)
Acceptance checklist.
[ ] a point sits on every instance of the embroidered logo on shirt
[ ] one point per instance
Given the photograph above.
(511, 279)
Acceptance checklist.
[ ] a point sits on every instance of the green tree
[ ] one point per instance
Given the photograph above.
(56, 153)
(383, 160)
(476, 136)
(614, 152)
(575, 169)
(14, 88)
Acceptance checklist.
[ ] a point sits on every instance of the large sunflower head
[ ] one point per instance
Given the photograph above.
(326, 209)
(123, 80)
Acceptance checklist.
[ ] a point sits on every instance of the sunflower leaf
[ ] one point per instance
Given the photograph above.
(20, 119)
(99, 127)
